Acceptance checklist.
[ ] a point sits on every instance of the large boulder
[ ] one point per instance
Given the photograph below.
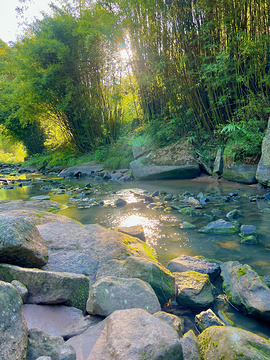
(84, 249)
(85, 169)
(245, 289)
(190, 347)
(241, 173)
(194, 290)
(220, 227)
(41, 343)
(227, 342)
(147, 270)
(111, 293)
(167, 163)
(48, 287)
(13, 329)
(172, 320)
(135, 335)
(263, 169)
(185, 263)
(21, 243)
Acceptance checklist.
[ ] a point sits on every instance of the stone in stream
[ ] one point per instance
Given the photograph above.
(40, 197)
(206, 319)
(187, 225)
(190, 347)
(233, 214)
(48, 287)
(194, 290)
(249, 240)
(13, 329)
(58, 320)
(21, 243)
(263, 169)
(136, 231)
(147, 270)
(112, 293)
(41, 343)
(84, 249)
(173, 320)
(184, 263)
(227, 342)
(85, 169)
(242, 173)
(247, 230)
(136, 334)
(220, 227)
(245, 289)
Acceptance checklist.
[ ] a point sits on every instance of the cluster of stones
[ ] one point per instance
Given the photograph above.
(107, 273)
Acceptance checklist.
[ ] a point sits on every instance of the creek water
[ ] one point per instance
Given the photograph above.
(163, 229)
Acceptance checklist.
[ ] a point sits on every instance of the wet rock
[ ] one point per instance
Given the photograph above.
(13, 329)
(22, 289)
(187, 225)
(220, 227)
(47, 287)
(148, 199)
(240, 173)
(247, 230)
(218, 165)
(194, 290)
(189, 345)
(206, 319)
(168, 197)
(41, 343)
(111, 293)
(135, 231)
(266, 280)
(263, 169)
(249, 240)
(172, 320)
(193, 202)
(185, 263)
(136, 334)
(120, 203)
(155, 193)
(85, 169)
(58, 320)
(147, 270)
(21, 243)
(233, 214)
(245, 289)
(227, 342)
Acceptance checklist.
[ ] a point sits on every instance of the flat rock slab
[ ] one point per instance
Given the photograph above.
(185, 263)
(194, 290)
(227, 342)
(86, 169)
(48, 287)
(111, 293)
(58, 320)
(84, 249)
(220, 227)
(135, 335)
(245, 289)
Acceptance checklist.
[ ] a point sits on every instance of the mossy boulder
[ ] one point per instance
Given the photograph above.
(111, 293)
(190, 347)
(194, 290)
(206, 319)
(245, 289)
(152, 272)
(21, 243)
(220, 227)
(13, 329)
(226, 342)
(263, 169)
(48, 287)
(136, 334)
(241, 173)
(173, 320)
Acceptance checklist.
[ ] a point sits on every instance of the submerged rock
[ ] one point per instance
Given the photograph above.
(220, 227)
(245, 289)
(21, 243)
(136, 334)
(227, 342)
(112, 293)
(13, 329)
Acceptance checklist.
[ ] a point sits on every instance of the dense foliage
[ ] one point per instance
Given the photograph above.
(189, 68)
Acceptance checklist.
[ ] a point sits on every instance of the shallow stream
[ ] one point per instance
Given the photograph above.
(163, 229)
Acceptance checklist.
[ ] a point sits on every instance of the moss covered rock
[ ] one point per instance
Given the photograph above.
(220, 227)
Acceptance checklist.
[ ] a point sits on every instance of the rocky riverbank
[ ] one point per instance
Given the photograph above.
(70, 291)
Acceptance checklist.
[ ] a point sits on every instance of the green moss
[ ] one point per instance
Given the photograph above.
(79, 295)
(222, 357)
(241, 272)
(259, 349)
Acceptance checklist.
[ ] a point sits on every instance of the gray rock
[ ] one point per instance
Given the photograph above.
(48, 287)
(136, 334)
(245, 289)
(187, 225)
(189, 346)
(233, 214)
(263, 169)
(41, 343)
(111, 293)
(194, 290)
(84, 249)
(13, 329)
(173, 161)
(120, 203)
(227, 342)
(22, 289)
(58, 320)
(147, 270)
(135, 231)
(206, 319)
(40, 197)
(266, 280)
(249, 240)
(173, 320)
(241, 173)
(247, 230)
(21, 243)
(44, 358)
(85, 169)
(220, 227)
(184, 263)
(218, 165)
